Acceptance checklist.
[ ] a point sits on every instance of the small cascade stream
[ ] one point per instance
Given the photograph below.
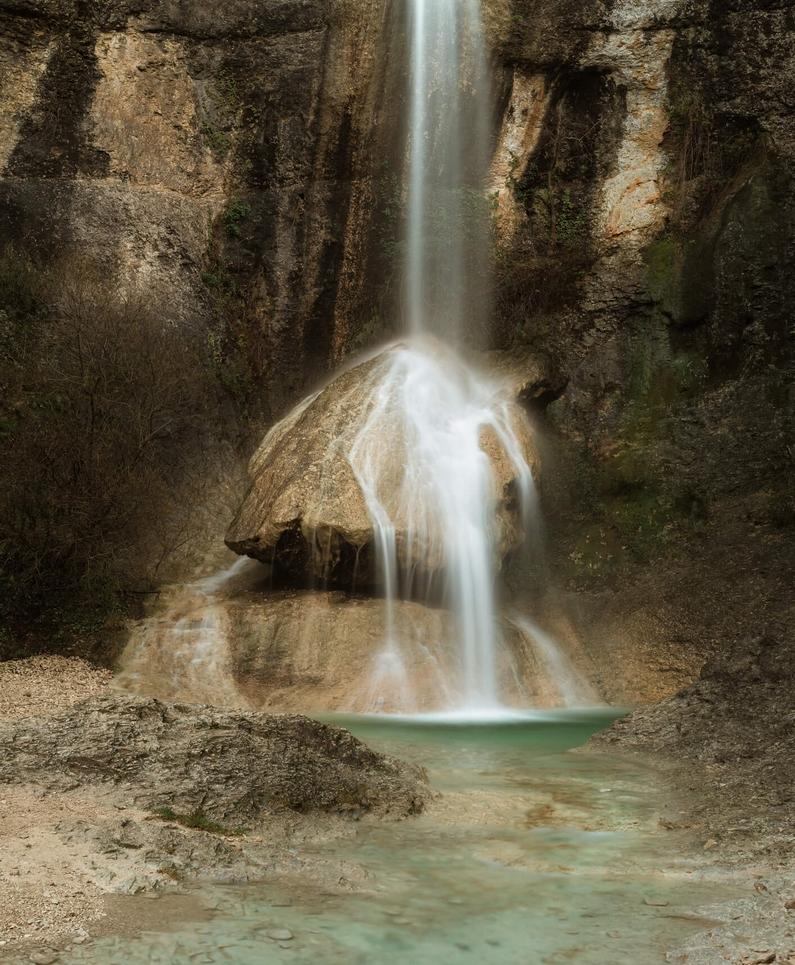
(181, 651)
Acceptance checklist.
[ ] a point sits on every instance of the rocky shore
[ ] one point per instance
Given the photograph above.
(728, 742)
(117, 795)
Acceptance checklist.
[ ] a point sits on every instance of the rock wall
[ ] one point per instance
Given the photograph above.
(240, 165)
(650, 256)
(218, 159)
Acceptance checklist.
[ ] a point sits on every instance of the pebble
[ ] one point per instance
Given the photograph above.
(46, 956)
(280, 934)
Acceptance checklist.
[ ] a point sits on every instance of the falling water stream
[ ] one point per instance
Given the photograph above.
(443, 505)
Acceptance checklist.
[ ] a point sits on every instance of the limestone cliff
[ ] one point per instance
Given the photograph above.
(238, 163)
(217, 158)
(645, 191)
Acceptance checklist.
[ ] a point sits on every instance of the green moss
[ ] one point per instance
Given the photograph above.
(220, 282)
(235, 216)
(218, 141)
(196, 820)
(663, 270)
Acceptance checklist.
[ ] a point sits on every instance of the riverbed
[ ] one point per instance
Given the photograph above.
(533, 852)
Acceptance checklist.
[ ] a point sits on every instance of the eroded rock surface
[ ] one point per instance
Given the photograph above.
(733, 733)
(232, 767)
(308, 510)
(119, 796)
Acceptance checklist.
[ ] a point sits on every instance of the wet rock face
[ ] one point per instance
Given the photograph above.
(307, 510)
(668, 222)
(231, 767)
(320, 651)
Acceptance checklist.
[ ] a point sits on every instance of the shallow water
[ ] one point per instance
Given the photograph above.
(532, 854)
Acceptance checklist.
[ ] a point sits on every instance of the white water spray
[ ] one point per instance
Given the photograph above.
(573, 688)
(425, 462)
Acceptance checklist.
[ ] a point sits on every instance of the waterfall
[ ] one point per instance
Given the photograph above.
(445, 407)
(444, 503)
(435, 452)
(573, 689)
(449, 137)
(181, 652)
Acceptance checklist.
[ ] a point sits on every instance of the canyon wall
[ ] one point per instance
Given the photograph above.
(238, 166)
(648, 248)
(217, 159)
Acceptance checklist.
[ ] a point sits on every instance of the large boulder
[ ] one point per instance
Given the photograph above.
(369, 439)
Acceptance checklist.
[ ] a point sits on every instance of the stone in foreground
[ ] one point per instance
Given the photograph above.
(230, 767)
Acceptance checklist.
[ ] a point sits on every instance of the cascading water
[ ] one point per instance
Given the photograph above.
(445, 407)
(443, 506)
(438, 453)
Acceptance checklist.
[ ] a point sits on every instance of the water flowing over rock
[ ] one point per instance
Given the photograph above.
(309, 651)
(366, 449)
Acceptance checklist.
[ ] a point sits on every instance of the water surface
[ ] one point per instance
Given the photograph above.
(531, 854)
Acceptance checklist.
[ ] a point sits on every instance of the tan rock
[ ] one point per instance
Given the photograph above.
(328, 652)
(520, 132)
(21, 69)
(145, 115)
(309, 651)
(306, 509)
(632, 208)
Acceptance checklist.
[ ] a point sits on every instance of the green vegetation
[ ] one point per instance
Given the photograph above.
(635, 510)
(235, 216)
(217, 140)
(227, 344)
(198, 821)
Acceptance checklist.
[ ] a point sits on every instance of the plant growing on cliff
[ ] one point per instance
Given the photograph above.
(217, 140)
(235, 215)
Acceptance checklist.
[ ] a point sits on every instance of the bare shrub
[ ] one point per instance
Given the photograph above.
(104, 407)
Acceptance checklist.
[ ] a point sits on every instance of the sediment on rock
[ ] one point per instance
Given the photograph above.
(230, 767)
